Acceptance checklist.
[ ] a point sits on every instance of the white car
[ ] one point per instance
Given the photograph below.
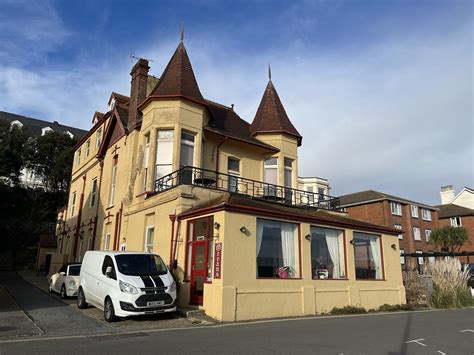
(125, 284)
(66, 280)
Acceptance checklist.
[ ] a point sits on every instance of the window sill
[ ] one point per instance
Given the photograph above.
(110, 207)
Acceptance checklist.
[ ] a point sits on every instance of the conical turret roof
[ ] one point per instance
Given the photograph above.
(271, 116)
(178, 78)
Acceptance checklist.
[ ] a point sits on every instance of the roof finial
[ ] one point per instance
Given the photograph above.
(182, 31)
(269, 72)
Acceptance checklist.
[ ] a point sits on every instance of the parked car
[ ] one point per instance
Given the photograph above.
(125, 284)
(66, 280)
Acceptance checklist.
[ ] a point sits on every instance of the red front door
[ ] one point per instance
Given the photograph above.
(198, 270)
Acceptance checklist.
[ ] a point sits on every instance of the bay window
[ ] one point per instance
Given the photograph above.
(367, 256)
(146, 161)
(270, 176)
(233, 169)
(327, 253)
(186, 157)
(277, 249)
(164, 153)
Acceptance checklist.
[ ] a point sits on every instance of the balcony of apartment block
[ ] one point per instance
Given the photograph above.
(247, 187)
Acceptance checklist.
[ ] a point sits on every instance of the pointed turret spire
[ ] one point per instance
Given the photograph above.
(178, 77)
(271, 116)
(182, 32)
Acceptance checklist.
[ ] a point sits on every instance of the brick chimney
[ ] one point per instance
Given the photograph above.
(447, 194)
(139, 75)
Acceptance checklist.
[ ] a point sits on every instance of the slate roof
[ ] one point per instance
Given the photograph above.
(372, 196)
(229, 200)
(271, 116)
(123, 115)
(178, 78)
(452, 210)
(225, 121)
(35, 126)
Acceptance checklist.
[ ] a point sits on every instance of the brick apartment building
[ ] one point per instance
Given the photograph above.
(415, 220)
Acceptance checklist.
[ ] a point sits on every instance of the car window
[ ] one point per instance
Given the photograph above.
(140, 264)
(74, 270)
(108, 262)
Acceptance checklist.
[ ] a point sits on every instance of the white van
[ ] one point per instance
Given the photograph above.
(126, 283)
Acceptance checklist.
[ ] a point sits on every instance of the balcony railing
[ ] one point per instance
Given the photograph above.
(257, 189)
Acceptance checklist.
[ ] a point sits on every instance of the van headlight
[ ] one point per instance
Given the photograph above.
(172, 288)
(127, 288)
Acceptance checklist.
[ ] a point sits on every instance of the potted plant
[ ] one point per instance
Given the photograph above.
(285, 271)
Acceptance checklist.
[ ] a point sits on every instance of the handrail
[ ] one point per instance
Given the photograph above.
(189, 175)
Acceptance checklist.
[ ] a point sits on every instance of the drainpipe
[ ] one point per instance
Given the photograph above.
(172, 219)
(96, 219)
(217, 153)
(176, 240)
(79, 215)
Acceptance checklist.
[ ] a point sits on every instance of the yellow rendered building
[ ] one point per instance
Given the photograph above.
(168, 171)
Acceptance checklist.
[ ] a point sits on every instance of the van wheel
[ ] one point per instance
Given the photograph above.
(81, 299)
(109, 312)
(63, 293)
(50, 288)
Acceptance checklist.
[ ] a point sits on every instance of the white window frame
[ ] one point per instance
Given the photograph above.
(289, 169)
(396, 208)
(93, 193)
(98, 137)
(78, 157)
(88, 147)
(189, 143)
(427, 235)
(147, 243)
(416, 234)
(233, 187)
(398, 226)
(113, 184)
(402, 258)
(73, 203)
(107, 241)
(421, 260)
(454, 221)
(146, 161)
(45, 130)
(425, 214)
(414, 211)
(164, 167)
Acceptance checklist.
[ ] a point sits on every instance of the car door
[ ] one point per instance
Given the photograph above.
(58, 282)
(106, 284)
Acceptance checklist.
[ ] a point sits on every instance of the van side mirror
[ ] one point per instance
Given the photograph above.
(108, 271)
(62, 273)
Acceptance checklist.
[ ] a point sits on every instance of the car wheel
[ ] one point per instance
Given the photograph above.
(63, 293)
(109, 312)
(50, 288)
(81, 299)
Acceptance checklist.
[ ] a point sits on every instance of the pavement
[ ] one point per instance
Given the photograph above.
(33, 321)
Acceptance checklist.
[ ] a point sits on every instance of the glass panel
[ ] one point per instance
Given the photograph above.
(200, 229)
(288, 163)
(327, 253)
(199, 257)
(367, 254)
(186, 155)
(233, 165)
(210, 259)
(271, 161)
(187, 136)
(164, 153)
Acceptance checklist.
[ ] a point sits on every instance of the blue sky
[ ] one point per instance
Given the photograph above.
(380, 90)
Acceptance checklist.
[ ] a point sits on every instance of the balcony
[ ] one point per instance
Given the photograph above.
(256, 189)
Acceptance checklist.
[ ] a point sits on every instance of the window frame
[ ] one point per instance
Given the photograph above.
(396, 208)
(455, 220)
(428, 214)
(88, 147)
(98, 138)
(107, 238)
(233, 173)
(416, 229)
(73, 203)
(298, 236)
(146, 159)
(382, 257)
(93, 194)
(414, 211)
(400, 227)
(146, 243)
(209, 238)
(427, 235)
(420, 257)
(402, 258)
(344, 250)
(78, 157)
(113, 183)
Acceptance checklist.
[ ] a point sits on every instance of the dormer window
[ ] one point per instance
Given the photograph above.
(69, 134)
(46, 130)
(112, 104)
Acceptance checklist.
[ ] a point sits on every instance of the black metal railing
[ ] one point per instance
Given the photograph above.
(189, 175)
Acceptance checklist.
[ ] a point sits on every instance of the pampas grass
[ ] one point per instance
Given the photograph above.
(450, 288)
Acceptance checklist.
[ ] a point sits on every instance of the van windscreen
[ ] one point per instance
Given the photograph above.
(140, 264)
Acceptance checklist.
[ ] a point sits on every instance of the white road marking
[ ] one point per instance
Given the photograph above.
(467, 330)
(417, 341)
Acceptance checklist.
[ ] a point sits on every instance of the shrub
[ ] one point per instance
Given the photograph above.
(395, 307)
(450, 284)
(348, 310)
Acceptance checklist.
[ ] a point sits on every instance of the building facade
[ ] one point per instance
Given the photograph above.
(415, 221)
(167, 171)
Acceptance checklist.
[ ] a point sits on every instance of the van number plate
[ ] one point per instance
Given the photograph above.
(155, 303)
